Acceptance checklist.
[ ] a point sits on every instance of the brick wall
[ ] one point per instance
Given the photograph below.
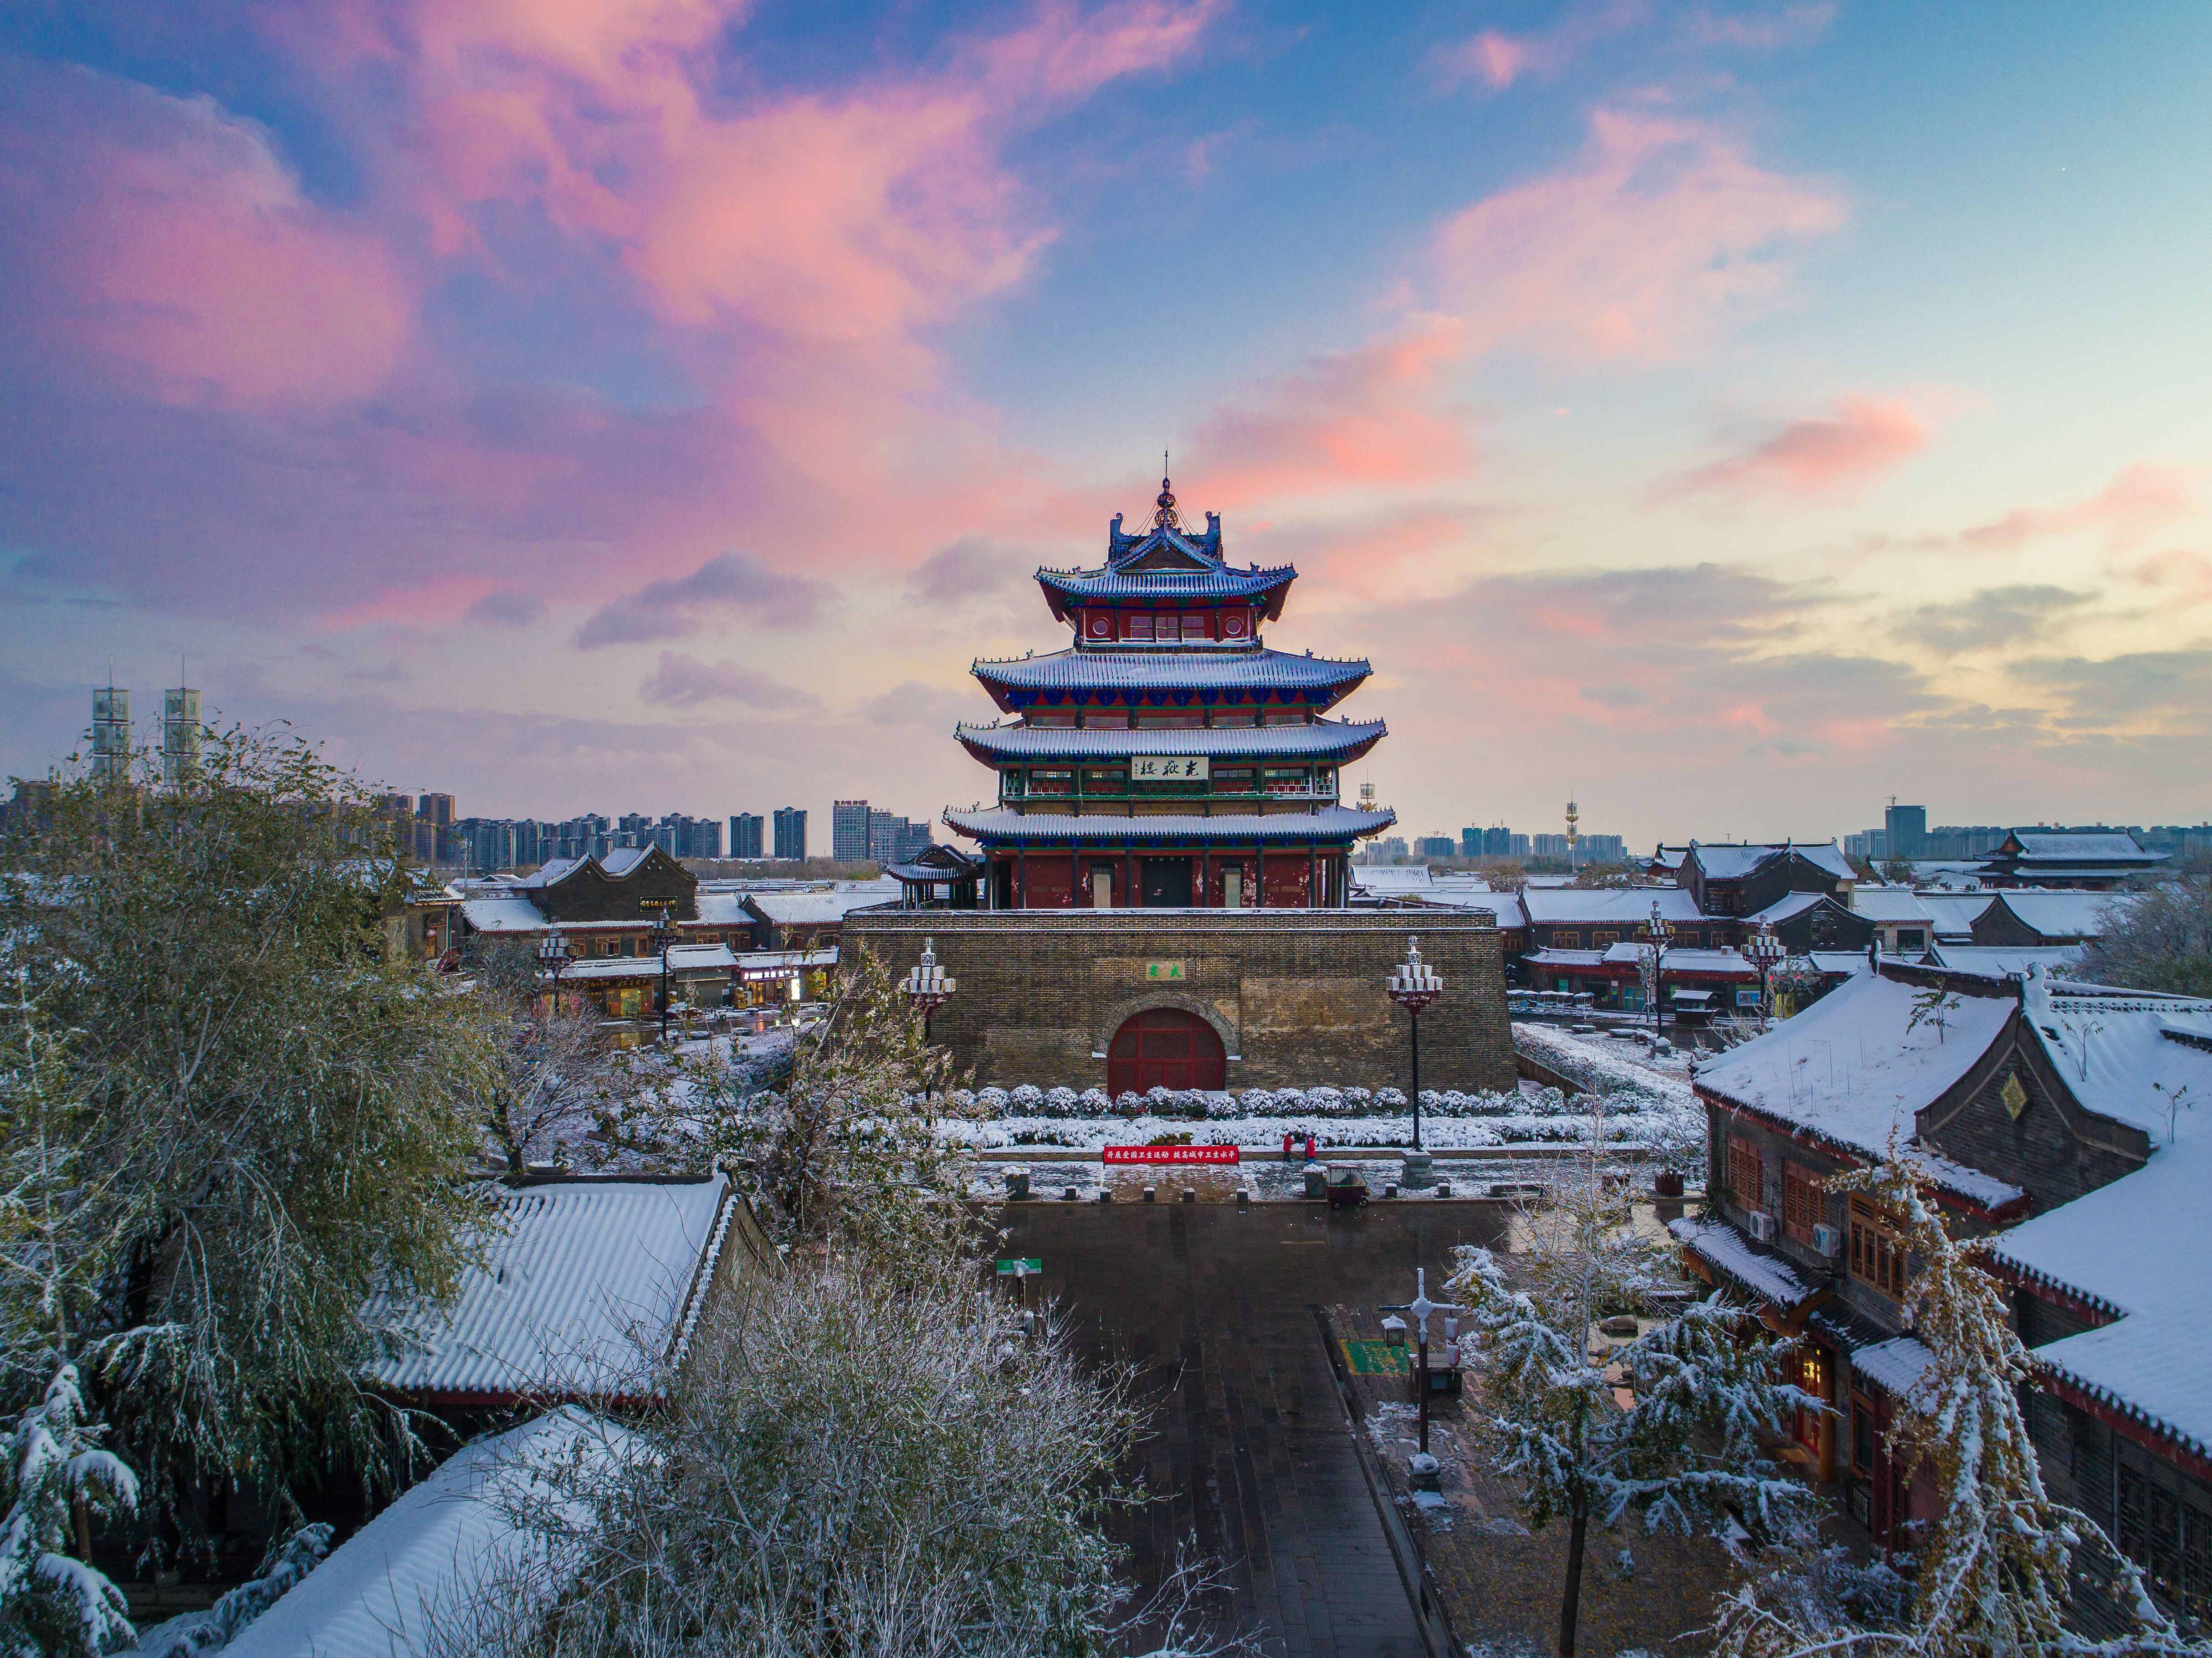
(590, 895)
(1297, 995)
(2053, 1151)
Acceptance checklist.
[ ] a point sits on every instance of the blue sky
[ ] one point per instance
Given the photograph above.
(1735, 415)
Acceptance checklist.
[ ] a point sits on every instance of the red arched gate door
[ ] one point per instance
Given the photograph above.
(1166, 1047)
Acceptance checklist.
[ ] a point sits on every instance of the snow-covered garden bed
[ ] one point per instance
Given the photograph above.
(1266, 1133)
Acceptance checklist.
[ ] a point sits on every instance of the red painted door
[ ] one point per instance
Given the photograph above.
(1166, 1047)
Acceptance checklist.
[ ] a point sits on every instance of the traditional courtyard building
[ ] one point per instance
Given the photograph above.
(1168, 759)
(1165, 897)
(2098, 859)
(2055, 1114)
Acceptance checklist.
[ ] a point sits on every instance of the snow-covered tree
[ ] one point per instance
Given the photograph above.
(552, 1078)
(266, 1105)
(55, 1471)
(2161, 939)
(1672, 1427)
(1991, 1570)
(842, 1151)
(846, 1465)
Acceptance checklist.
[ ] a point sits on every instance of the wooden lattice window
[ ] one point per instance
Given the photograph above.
(1801, 1201)
(1877, 1256)
(1604, 940)
(1747, 1175)
(1568, 938)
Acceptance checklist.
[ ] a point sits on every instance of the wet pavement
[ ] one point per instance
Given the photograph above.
(1252, 1454)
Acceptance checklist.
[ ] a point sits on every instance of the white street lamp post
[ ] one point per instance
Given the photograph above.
(1414, 986)
(927, 986)
(1420, 1307)
(1656, 933)
(1765, 950)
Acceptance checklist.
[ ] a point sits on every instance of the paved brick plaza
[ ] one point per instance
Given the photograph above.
(1252, 1451)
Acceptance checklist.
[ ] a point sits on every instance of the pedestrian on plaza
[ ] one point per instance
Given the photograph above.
(1312, 1147)
(1289, 1139)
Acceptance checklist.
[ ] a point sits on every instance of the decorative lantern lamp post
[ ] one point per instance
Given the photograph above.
(927, 986)
(1765, 950)
(1657, 933)
(552, 956)
(662, 936)
(1420, 1307)
(1414, 986)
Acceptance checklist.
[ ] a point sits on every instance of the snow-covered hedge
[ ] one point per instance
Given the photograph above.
(1192, 1104)
(1265, 1134)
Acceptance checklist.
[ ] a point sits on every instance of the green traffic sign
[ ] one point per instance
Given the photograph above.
(1019, 1268)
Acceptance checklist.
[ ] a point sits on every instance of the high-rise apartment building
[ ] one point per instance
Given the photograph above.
(111, 734)
(180, 735)
(746, 834)
(1905, 831)
(791, 833)
(1497, 842)
(848, 831)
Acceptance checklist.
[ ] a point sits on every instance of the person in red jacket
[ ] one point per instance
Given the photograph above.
(1290, 1139)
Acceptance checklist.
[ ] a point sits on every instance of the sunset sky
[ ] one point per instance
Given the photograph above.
(1731, 415)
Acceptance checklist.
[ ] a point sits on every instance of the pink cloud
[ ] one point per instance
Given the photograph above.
(1663, 230)
(1371, 416)
(2133, 504)
(1498, 59)
(164, 237)
(1860, 441)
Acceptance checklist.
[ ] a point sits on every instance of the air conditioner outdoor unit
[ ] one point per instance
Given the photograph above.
(1762, 1226)
(1826, 1240)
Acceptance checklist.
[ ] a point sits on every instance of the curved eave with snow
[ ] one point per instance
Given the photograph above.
(1332, 824)
(1185, 676)
(1067, 589)
(1342, 741)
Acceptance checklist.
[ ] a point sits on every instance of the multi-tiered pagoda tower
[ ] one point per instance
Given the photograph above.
(1168, 759)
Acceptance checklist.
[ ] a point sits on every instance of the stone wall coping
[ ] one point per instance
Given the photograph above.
(949, 922)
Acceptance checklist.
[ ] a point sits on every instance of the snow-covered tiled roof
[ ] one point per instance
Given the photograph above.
(406, 1578)
(1954, 914)
(502, 915)
(2004, 960)
(1217, 581)
(1890, 904)
(588, 1283)
(1895, 1365)
(2067, 914)
(1731, 962)
(1337, 739)
(683, 958)
(1847, 1071)
(1186, 669)
(1328, 823)
(1622, 906)
(1393, 878)
(720, 908)
(1565, 958)
(1765, 1272)
(818, 908)
(2116, 847)
(1728, 860)
(2135, 1245)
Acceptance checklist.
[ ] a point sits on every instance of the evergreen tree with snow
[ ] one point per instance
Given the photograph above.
(51, 1602)
(1669, 1427)
(1991, 1570)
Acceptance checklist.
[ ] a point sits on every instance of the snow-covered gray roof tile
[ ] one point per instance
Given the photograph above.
(1323, 740)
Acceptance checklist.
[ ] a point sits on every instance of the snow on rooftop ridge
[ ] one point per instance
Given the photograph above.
(390, 1589)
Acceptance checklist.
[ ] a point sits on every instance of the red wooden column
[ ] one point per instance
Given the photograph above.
(1205, 877)
(1313, 883)
(1129, 876)
(1021, 878)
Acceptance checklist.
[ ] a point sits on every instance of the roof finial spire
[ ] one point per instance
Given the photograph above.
(1166, 518)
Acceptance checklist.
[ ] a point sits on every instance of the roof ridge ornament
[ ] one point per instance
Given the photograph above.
(1165, 518)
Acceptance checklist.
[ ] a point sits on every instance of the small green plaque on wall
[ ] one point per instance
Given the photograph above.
(1163, 970)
